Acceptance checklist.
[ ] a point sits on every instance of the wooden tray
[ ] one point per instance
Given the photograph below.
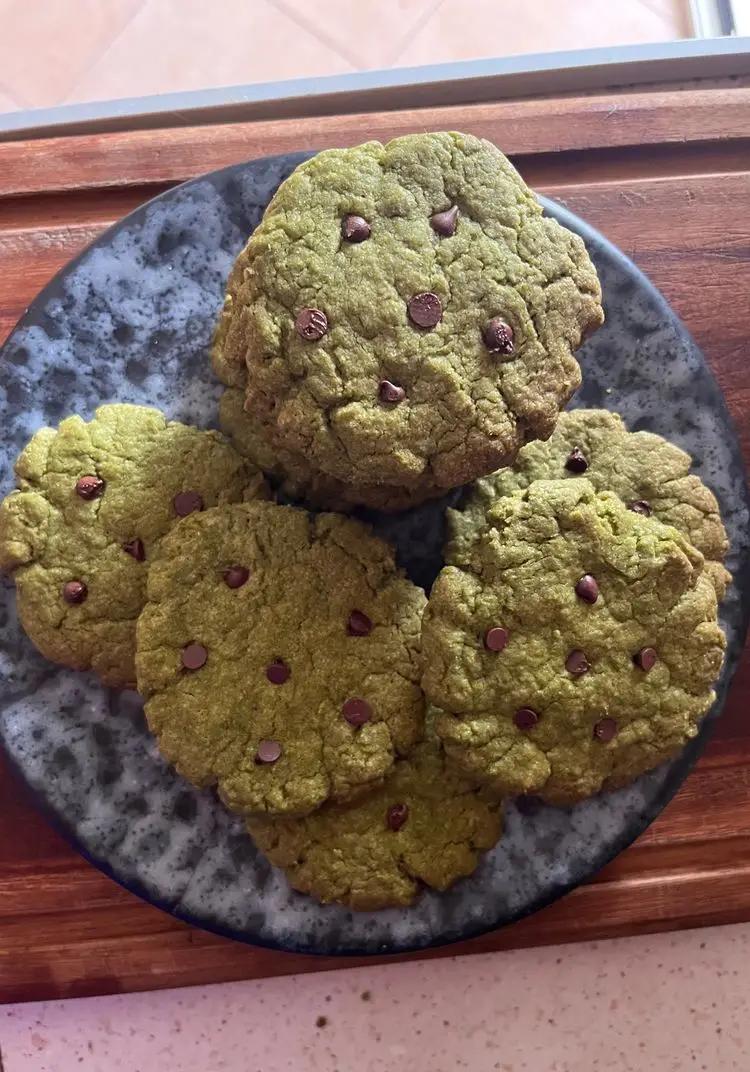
(666, 176)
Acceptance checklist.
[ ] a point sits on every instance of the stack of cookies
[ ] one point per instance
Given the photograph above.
(403, 322)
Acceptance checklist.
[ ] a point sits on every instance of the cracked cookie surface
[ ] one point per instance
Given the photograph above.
(295, 477)
(649, 474)
(93, 502)
(575, 647)
(422, 344)
(279, 655)
(427, 824)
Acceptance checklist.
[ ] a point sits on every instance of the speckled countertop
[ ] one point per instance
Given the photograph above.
(665, 1003)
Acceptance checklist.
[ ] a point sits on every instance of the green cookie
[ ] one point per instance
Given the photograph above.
(425, 824)
(94, 500)
(575, 647)
(405, 316)
(296, 478)
(279, 656)
(649, 474)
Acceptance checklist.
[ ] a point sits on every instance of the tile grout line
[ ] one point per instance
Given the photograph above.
(679, 20)
(108, 48)
(13, 97)
(315, 31)
(330, 42)
(416, 29)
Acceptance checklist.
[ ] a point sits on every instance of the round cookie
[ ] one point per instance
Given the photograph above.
(404, 314)
(94, 500)
(575, 647)
(427, 824)
(279, 655)
(295, 477)
(649, 474)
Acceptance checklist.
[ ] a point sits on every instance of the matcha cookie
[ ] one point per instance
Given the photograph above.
(293, 474)
(426, 824)
(405, 316)
(650, 475)
(94, 500)
(574, 648)
(279, 656)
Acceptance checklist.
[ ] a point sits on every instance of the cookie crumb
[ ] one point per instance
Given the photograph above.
(322, 1021)
(366, 995)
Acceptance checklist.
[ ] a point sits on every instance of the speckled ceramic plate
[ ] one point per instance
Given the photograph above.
(130, 321)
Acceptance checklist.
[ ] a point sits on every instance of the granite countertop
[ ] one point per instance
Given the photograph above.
(663, 1003)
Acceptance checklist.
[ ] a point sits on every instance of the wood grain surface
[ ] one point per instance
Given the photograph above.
(666, 176)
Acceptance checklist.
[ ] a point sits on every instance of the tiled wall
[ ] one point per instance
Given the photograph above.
(62, 51)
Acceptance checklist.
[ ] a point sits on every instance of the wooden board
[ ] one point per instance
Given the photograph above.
(664, 175)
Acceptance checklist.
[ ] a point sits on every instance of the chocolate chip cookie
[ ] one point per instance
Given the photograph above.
(574, 647)
(405, 316)
(427, 824)
(649, 474)
(294, 476)
(94, 500)
(279, 655)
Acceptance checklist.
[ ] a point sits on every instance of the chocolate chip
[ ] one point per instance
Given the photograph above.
(425, 309)
(235, 576)
(587, 589)
(391, 392)
(187, 502)
(396, 816)
(268, 752)
(576, 461)
(359, 624)
(90, 487)
(605, 729)
(645, 659)
(444, 223)
(495, 638)
(640, 506)
(577, 663)
(355, 229)
(194, 656)
(74, 591)
(525, 718)
(357, 712)
(278, 672)
(311, 324)
(135, 549)
(498, 336)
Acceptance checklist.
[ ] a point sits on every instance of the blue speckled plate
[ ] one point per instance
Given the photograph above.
(130, 321)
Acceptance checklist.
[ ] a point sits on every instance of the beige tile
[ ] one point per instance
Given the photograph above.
(174, 45)
(370, 33)
(7, 104)
(675, 11)
(46, 45)
(469, 29)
